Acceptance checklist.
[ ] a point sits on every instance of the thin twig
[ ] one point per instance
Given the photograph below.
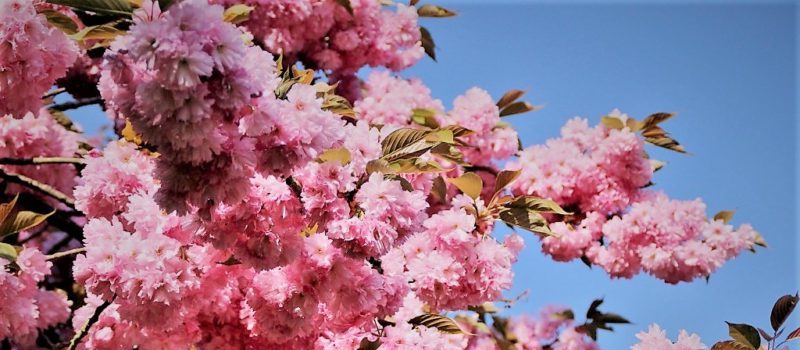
(66, 253)
(54, 93)
(76, 104)
(73, 344)
(40, 160)
(40, 187)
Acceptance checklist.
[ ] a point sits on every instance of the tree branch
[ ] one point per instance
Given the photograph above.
(40, 160)
(39, 187)
(66, 253)
(76, 104)
(73, 344)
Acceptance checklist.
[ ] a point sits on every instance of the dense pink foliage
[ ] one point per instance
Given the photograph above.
(229, 225)
(600, 174)
(32, 56)
(25, 307)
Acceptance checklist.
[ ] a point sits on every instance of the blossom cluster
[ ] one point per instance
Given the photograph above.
(32, 56)
(656, 339)
(26, 308)
(39, 135)
(181, 78)
(600, 174)
(325, 35)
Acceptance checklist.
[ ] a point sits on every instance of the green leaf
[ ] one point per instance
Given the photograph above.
(8, 252)
(237, 13)
(782, 309)
(427, 42)
(518, 107)
(434, 11)
(347, 6)
(60, 21)
(469, 183)
(113, 7)
(415, 166)
(725, 216)
(341, 155)
(443, 323)
(22, 220)
(744, 334)
(509, 97)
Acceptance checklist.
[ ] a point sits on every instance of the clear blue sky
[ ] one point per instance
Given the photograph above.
(727, 69)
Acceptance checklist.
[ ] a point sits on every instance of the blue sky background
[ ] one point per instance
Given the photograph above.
(727, 67)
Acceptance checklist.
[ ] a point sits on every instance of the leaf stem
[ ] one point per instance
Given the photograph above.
(66, 253)
(39, 187)
(54, 92)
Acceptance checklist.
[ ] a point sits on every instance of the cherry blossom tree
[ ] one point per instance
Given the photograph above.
(258, 193)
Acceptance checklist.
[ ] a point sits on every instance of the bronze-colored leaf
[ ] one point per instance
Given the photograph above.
(401, 139)
(469, 183)
(725, 216)
(518, 107)
(458, 131)
(505, 178)
(656, 165)
(744, 334)
(729, 345)
(379, 165)
(8, 252)
(657, 136)
(612, 122)
(434, 11)
(415, 166)
(338, 104)
(443, 323)
(237, 13)
(425, 117)
(129, 134)
(103, 32)
(765, 335)
(340, 154)
(427, 42)
(509, 97)
(22, 220)
(782, 309)
(112, 7)
(439, 189)
(7, 208)
(563, 315)
(527, 219)
(60, 21)
(655, 119)
(759, 240)
(537, 204)
(795, 334)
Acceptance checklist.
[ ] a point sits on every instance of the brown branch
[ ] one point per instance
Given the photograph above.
(77, 103)
(39, 187)
(66, 253)
(40, 160)
(73, 344)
